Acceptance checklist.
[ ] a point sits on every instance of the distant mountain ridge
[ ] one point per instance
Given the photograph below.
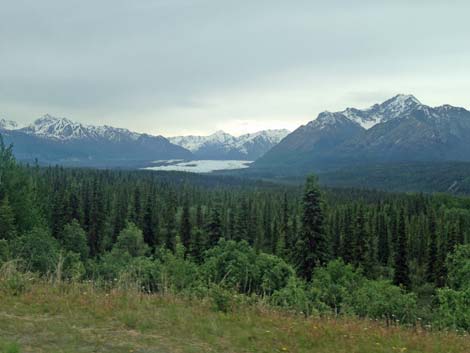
(222, 145)
(60, 140)
(399, 129)
(54, 140)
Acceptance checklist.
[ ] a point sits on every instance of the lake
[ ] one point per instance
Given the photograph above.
(198, 166)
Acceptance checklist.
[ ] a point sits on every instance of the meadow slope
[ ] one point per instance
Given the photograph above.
(79, 318)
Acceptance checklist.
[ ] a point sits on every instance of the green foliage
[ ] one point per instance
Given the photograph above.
(73, 238)
(335, 284)
(232, 264)
(312, 245)
(383, 300)
(9, 348)
(13, 281)
(453, 309)
(177, 273)
(7, 220)
(38, 249)
(222, 299)
(4, 251)
(294, 296)
(131, 241)
(274, 273)
(458, 267)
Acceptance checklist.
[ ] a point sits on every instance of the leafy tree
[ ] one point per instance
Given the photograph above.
(38, 249)
(131, 241)
(458, 265)
(73, 238)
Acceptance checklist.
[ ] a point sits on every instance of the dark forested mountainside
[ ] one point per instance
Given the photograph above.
(401, 129)
(254, 238)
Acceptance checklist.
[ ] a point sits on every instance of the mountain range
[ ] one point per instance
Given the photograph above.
(53, 140)
(401, 129)
(221, 145)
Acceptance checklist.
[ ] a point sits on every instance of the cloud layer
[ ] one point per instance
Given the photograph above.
(182, 66)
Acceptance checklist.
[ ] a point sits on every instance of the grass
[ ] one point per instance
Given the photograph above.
(79, 318)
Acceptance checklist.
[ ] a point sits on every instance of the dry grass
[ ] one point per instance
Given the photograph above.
(79, 318)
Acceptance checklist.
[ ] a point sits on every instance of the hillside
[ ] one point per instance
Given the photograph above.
(401, 129)
(80, 318)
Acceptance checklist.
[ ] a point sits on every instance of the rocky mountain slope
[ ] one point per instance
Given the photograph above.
(399, 129)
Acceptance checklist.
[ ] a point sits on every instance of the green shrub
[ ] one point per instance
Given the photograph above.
(73, 238)
(222, 299)
(335, 284)
(12, 281)
(176, 272)
(274, 273)
(294, 296)
(383, 300)
(458, 268)
(233, 264)
(454, 309)
(38, 249)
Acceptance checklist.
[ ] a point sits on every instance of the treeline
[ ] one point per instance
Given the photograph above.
(106, 224)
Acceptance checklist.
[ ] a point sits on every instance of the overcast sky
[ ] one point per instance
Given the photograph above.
(178, 67)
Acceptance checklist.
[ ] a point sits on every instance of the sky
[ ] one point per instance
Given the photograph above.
(177, 67)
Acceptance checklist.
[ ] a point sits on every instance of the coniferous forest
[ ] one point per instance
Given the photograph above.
(400, 258)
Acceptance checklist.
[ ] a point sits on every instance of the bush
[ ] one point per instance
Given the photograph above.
(335, 284)
(176, 272)
(13, 281)
(383, 300)
(38, 249)
(453, 310)
(222, 299)
(131, 240)
(458, 268)
(295, 296)
(73, 238)
(274, 273)
(233, 264)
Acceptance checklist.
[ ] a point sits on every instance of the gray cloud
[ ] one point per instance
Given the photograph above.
(192, 66)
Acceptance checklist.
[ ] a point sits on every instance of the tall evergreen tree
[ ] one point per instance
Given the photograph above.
(402, 272)
(214, 228)
(431, 270)
(7, 220)
(185, 226)
(312, 245)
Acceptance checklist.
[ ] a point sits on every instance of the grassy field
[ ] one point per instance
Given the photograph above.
(72, 318)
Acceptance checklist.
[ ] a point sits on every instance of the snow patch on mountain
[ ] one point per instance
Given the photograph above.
(392, 108)
(63, 129)
(8, 124)
(254, 143)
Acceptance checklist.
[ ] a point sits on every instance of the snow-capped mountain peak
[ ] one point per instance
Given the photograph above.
(63, 129)
(8, 124)
(220, 144)
(392, 108)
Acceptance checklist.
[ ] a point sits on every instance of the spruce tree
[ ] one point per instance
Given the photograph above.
(312, 245)
(402, 272)
(214, 228)
(7, 221)
(431, 263)
(185, 227)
